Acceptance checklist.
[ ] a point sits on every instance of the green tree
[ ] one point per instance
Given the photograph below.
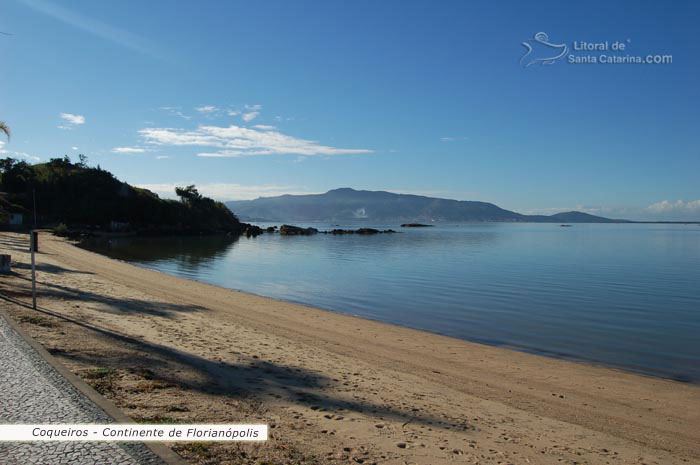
(188, 194)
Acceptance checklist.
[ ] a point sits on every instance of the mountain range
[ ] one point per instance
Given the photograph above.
(350, 205)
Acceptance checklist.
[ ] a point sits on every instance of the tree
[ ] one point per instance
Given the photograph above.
(4, 128)
(188, 194)
(83, 160)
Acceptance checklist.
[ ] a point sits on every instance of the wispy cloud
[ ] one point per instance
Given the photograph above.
(226, 191)
(162, 157)
(452, 138)
(236, 141)
(12, 154)
(95, 27)
(175, 111)
(71, 120)
(265, 127)
(247, 117)
(679, 206)
(207, 109)
(129, 150)
(252, 112)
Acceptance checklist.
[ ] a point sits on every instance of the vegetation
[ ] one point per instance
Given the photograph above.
(79, 196)
(4, 128)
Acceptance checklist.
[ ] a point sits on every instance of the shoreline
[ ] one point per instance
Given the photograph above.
(654, 372)
(640, 371)
(356, 366)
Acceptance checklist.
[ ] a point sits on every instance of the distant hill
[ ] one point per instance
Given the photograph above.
(345, 204)
(86, 197)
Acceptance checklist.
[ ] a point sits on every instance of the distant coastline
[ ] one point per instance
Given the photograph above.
(381, 207)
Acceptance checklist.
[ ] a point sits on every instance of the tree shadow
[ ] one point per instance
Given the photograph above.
(249, 377)
(113, 305)
(14, 243)
(48, 268)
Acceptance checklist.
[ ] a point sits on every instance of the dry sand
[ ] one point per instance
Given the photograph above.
(333, 388)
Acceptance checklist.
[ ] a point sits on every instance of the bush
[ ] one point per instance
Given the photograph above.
(61, 230)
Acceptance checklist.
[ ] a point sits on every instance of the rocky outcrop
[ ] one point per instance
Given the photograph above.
(359, 231)
(289, 230)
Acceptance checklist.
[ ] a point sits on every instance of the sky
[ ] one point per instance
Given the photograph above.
(453, 99)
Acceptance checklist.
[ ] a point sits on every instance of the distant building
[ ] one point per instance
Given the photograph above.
(16, 219)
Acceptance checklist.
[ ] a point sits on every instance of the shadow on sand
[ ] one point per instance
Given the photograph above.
(249, 377)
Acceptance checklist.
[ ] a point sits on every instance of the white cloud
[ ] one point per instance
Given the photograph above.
(12, 154)
(226, 191)
(664, 210)
(247, 117)
(233, 112)
(162, 157)
(252, 112)
(236, 141)
(447, 139)
(71, 120)
(265, 127)
(129, 150)
(206, 109)
(74, 148)
(679, 205)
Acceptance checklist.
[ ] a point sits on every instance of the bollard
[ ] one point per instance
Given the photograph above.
(35, 239)
(5, 264)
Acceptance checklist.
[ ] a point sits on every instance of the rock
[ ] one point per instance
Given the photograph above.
(359, 231)
(251, 230)
(289, 230)
(416, 225)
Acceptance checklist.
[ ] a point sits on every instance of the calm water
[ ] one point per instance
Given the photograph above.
(621, 295)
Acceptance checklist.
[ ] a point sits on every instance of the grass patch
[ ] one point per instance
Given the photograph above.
(155, 419)
(98, 373)
(101, 379)
(149, 386)
(195, 448)
(36, 320)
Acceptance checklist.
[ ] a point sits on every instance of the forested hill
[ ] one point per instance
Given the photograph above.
(82, 196)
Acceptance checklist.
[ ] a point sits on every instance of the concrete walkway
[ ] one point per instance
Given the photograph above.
(31, 391)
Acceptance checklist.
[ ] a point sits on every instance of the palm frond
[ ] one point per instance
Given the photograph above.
(4, 128)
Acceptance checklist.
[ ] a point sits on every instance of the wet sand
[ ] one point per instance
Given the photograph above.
(333, 388)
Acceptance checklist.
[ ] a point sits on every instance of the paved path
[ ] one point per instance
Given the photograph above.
(31, 391)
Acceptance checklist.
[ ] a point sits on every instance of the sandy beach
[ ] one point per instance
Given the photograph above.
(333, 388)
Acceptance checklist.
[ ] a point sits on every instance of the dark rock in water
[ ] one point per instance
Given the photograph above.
(252, 231)
(365, 231)
(565, 225)
(271, 229)
(416, 225)
(289, 230)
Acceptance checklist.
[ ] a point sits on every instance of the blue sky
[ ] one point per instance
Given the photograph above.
(250, 99)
